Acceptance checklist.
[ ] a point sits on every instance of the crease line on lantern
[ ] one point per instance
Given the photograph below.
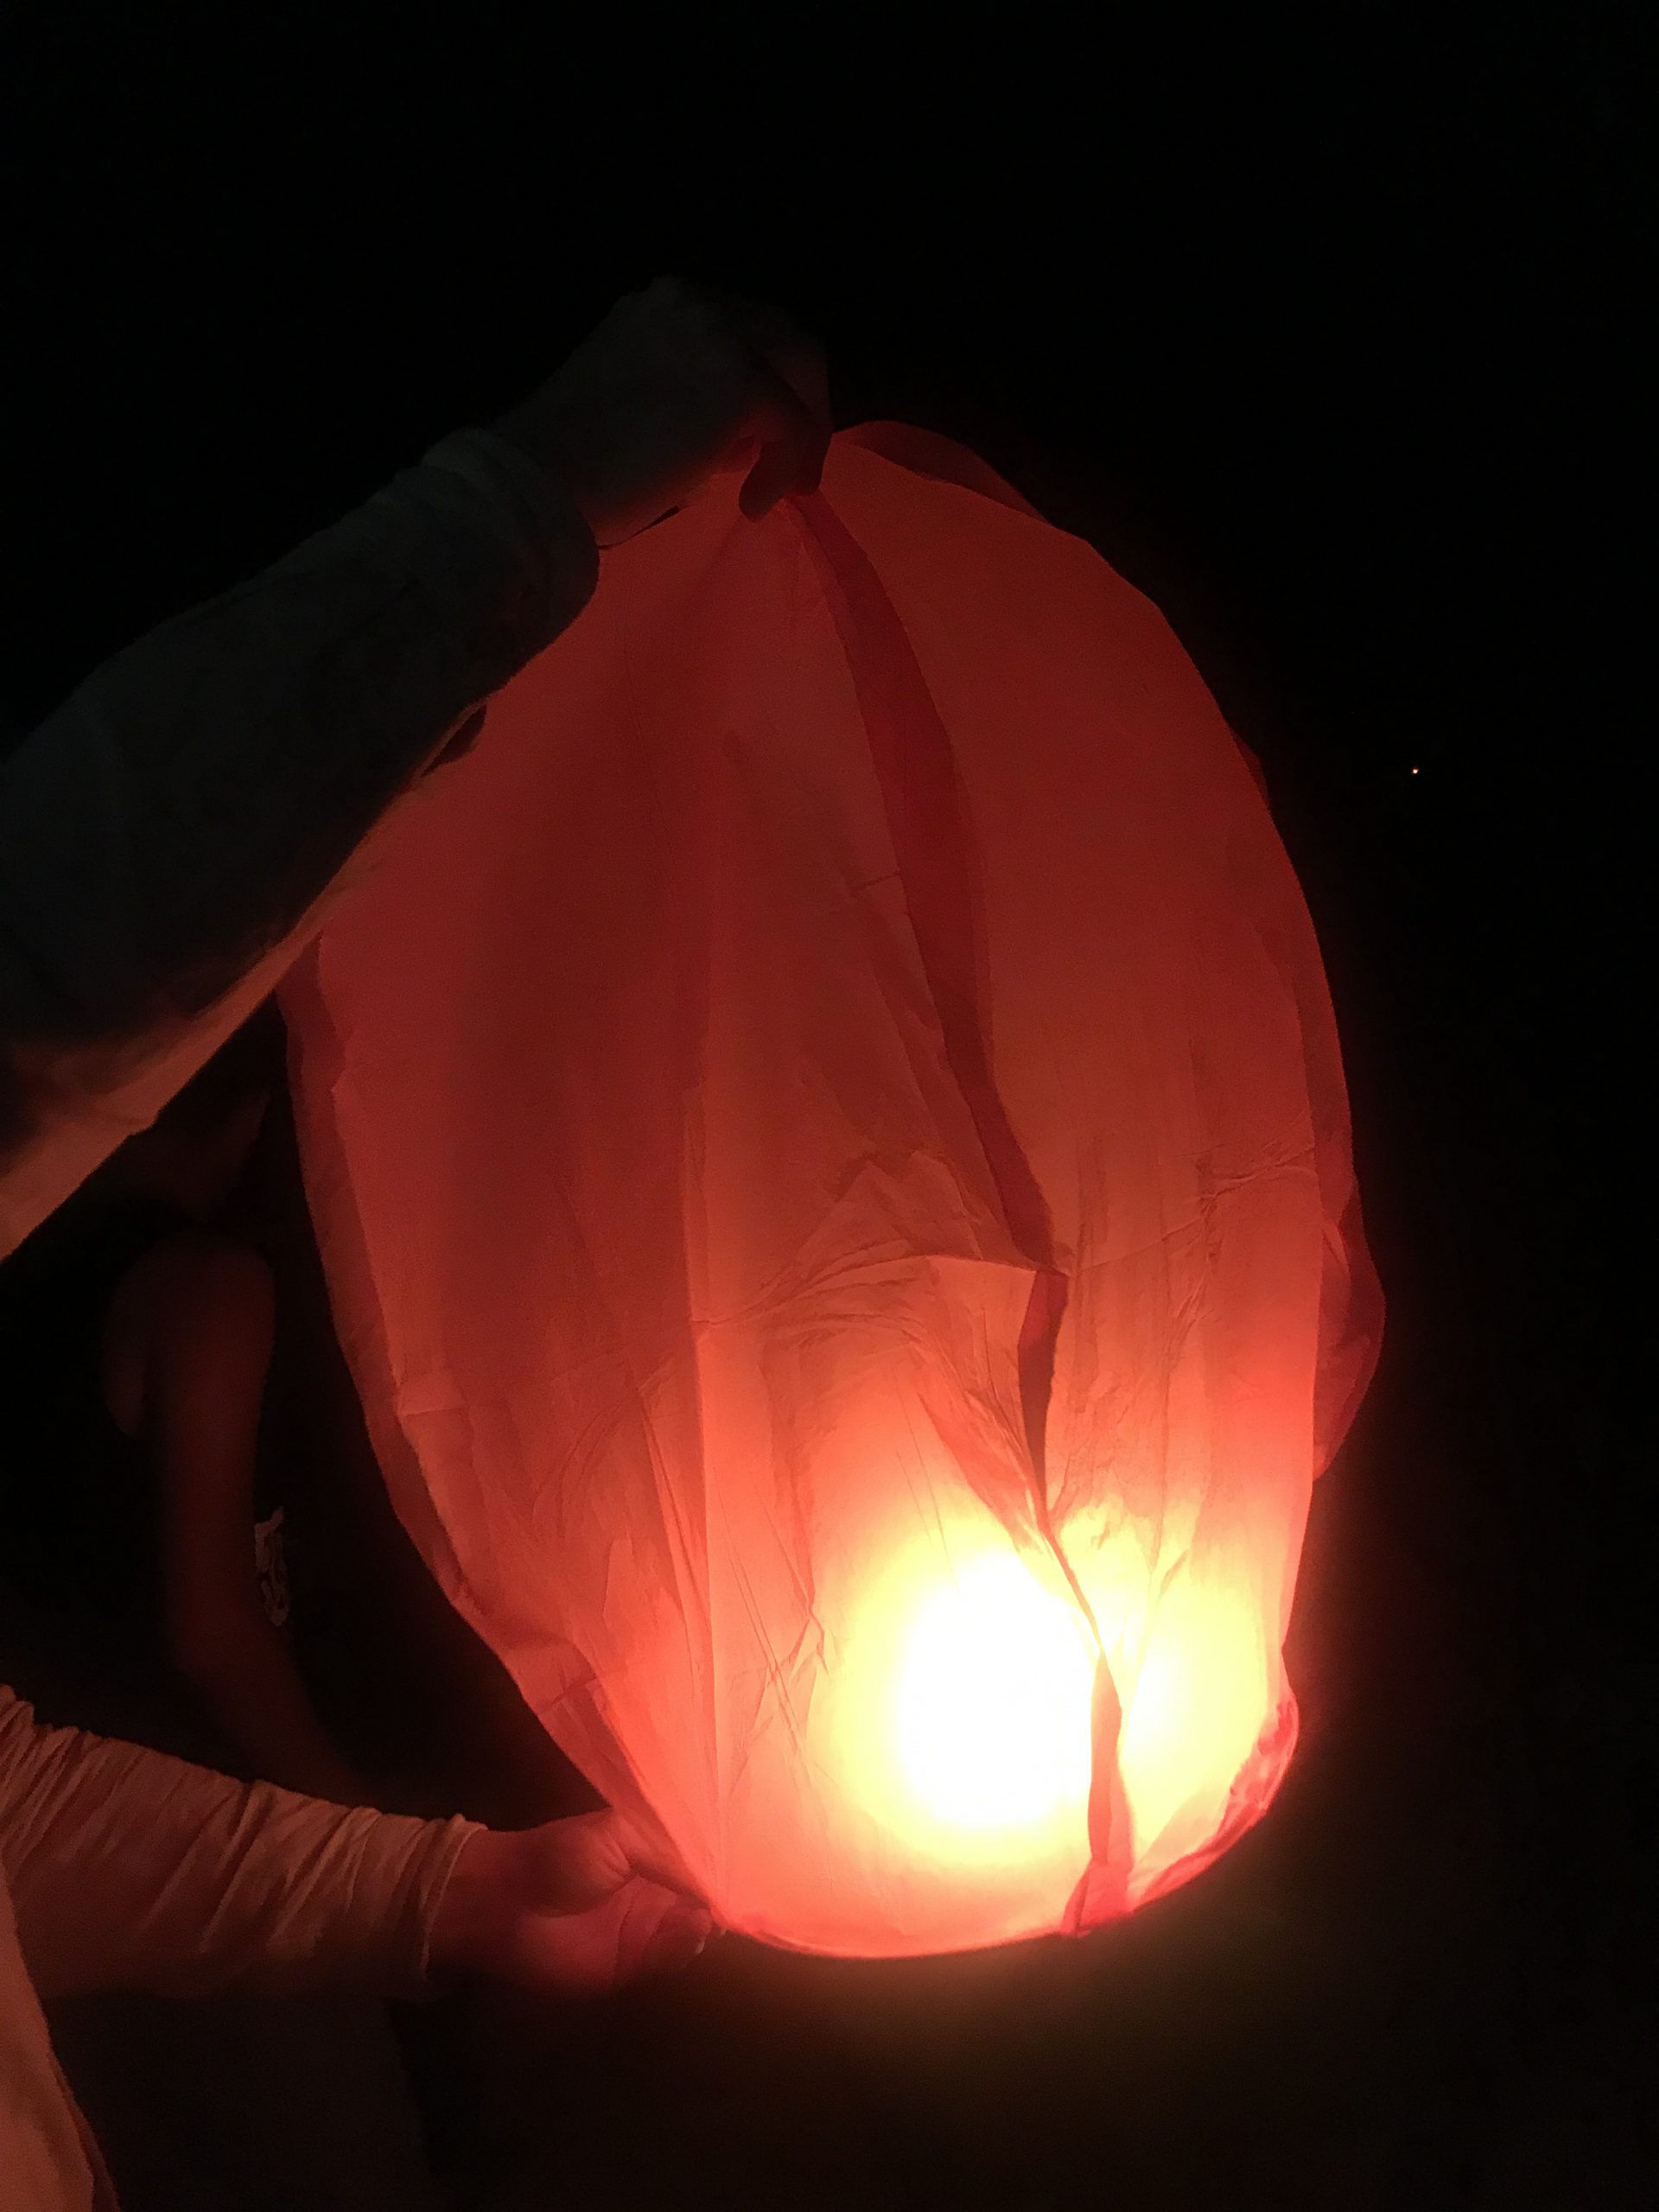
(906, 735)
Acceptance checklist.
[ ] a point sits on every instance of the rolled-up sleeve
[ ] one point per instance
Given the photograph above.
(130, 1870)
(167, 835)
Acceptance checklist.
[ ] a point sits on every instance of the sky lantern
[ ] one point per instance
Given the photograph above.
(829, 1147)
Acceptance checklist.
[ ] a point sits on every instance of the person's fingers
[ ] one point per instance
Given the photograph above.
(578, 1861)
(799, 365)
(791, 444)
(650, 1853)
(572, 1864)
(791, 356)
(678, 383)
(641, 1930)
(656, 1941)
(791, 415)
(792, 352)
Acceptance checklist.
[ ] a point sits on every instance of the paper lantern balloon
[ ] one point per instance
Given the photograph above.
(830, 1156)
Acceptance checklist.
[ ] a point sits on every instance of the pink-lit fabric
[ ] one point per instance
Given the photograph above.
(839, 1088)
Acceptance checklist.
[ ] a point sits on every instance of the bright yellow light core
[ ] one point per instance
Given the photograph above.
(992, 1711)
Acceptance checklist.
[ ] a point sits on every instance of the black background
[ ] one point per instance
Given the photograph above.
(1324, 333)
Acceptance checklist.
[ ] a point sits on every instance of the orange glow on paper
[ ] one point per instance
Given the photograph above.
(1202, 1697)
(828, 1146)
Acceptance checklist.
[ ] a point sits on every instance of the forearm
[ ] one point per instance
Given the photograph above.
(131, 1870)
(175, 822)
(255, 1692)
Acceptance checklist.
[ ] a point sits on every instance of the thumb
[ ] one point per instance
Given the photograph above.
(656, 1939)
(773, 475)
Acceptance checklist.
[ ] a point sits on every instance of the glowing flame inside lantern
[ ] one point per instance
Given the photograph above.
(971, 1678)
(992, 1705)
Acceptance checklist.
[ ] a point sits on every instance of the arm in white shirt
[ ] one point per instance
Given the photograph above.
(131, 1870)
(167, 835)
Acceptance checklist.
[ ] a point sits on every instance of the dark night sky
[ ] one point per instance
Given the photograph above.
(1324, 338)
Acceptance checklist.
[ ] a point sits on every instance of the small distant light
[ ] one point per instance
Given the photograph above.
(1414, 771)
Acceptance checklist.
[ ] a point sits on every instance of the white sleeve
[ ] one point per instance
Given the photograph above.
(131, 1870)
(167, 835)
